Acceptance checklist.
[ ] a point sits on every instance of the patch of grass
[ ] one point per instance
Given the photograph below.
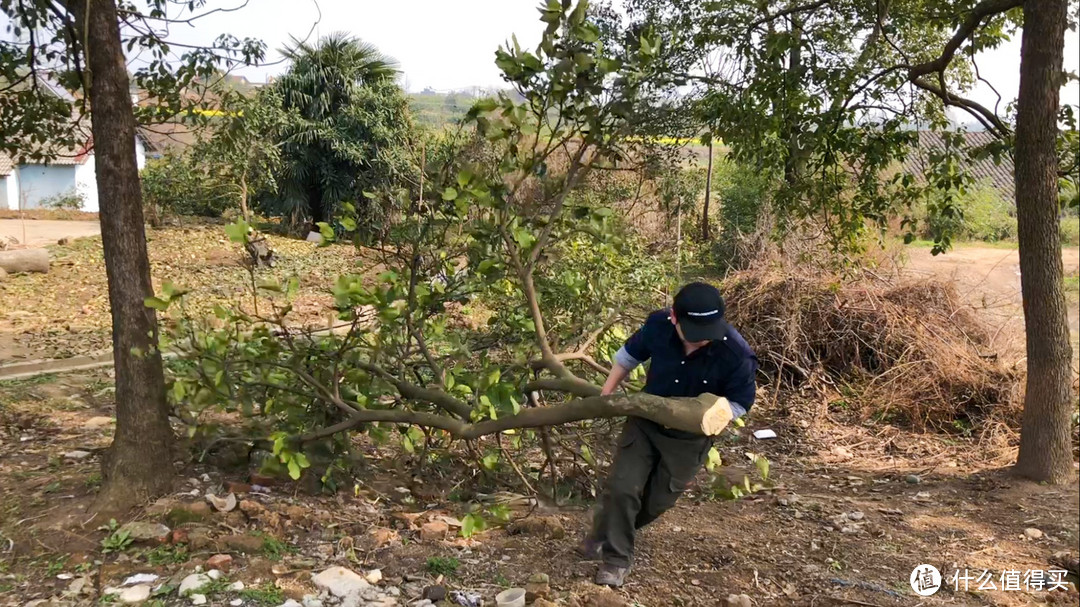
(267, 595)
(1072, 283)
(93, 482)
(56, 566)
(442, 565)
(275, 549)
(167, 555)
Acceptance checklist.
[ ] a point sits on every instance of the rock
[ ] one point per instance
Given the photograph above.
(198, 599)
(222, 504)
(135, 594)
(77, 455)
(95, 423)
(221, 562)
(291, 603)
(340, 582)
(237, 487)
(199, 538)
(603, 596)
(80, 584)
(193, 583)
(296, 513)
(549, 527)
(236, 602)
(248, 544)
(434, 593)
(143, 531)
(179, 536)
(739, 600)
(433, 531)
(543, 603)
(837, 451)
(912, 479)
(236, 586)
(63, 241)
(1032, 533)
(192, 512)
(214, 574)
(423, 603)
(374, 576)
(855, 515)
(311, 600)
(252, 508)
(377, 537)
(538, 587)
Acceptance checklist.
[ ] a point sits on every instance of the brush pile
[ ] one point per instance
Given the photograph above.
(910, 351)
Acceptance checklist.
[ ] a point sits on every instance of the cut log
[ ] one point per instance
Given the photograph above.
(707, 414)
(25, 260)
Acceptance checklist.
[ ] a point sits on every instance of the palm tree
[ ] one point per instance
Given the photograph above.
(338, 123)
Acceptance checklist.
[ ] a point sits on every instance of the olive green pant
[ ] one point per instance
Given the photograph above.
(653, 466)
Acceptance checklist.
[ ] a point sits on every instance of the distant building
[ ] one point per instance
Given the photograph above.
(34, 185)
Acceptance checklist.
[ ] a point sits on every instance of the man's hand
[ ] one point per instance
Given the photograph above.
(616, 377)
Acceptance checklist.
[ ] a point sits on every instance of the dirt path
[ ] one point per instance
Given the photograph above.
(989, 279)
(42, 232)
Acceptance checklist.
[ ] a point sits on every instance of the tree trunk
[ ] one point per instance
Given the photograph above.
(708, 196)
(139, 464)
(24, 260)
(706, 414)
(244, 196)
(1045, 451)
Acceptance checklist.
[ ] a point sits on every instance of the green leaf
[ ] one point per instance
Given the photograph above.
(490, 460)
(471, 524)
(449, 194)
(586, 454)
(156, 303)
(270, 284)
(348, 223)
(294, 469)
(714, 459)
(237, 232)
(762, 464)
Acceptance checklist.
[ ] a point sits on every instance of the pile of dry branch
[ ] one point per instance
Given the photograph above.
(910, 351)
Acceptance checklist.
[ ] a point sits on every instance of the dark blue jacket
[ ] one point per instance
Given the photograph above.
(726, 367)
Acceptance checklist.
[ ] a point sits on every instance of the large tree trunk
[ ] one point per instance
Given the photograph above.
(1045, 453)
(139, 464)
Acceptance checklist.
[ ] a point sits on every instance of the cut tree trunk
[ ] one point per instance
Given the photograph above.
(707, 415)
(25, 260)
(1045, 446)
(139, 464)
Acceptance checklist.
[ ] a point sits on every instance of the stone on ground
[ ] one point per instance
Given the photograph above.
(135, 594)
(340, 582)
(143, 531)
(193, 583)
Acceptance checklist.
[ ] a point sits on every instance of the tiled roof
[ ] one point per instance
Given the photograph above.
(999, 176)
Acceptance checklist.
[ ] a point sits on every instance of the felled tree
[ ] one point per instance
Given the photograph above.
(510, 239)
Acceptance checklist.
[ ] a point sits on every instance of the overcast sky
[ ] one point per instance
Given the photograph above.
(450, 44)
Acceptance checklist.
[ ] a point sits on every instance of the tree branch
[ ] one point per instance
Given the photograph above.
(706, 415)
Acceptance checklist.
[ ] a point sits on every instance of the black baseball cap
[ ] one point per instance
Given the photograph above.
(699, 310)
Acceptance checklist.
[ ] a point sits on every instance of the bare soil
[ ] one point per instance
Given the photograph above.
(34, 233)
(841, 522)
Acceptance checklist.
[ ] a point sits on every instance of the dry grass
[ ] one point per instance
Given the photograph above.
(910, 351)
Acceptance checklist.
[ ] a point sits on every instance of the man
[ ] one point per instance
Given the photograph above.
(693, 350)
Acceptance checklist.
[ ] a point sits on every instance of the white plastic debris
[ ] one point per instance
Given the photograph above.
(764, 434)
(140, 578)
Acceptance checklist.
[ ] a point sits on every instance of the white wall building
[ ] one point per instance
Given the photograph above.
(35, 185)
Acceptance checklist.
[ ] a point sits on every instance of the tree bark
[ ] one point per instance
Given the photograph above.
(138, 465)
(708, 197)
(707, 415)
(24, 260)
(1045, 451)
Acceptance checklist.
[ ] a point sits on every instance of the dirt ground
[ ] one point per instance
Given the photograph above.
(35, 233)
(989, 279)
(849, 512)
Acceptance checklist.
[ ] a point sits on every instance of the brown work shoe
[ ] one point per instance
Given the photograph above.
(589, 549)
(611, 575)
